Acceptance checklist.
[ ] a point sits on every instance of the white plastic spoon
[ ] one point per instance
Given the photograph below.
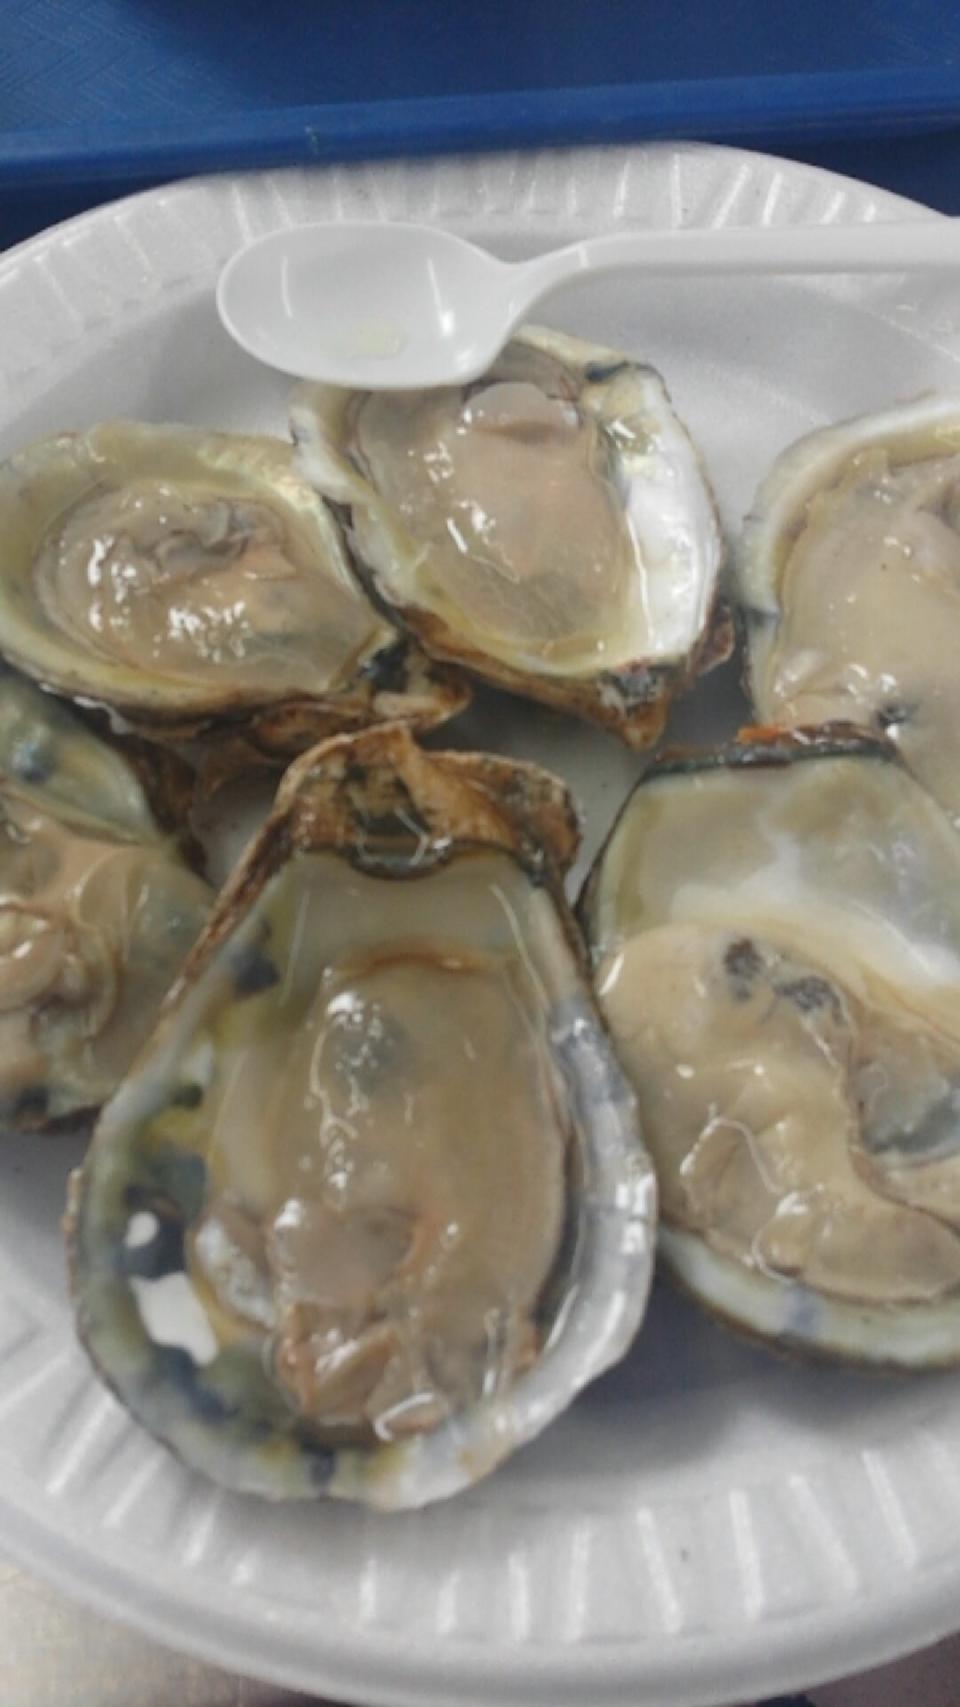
(394, 307)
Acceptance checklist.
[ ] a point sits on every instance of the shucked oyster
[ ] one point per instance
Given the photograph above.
(97, 910)
(372, 1206)
(850, 569)
(776, 931)
(192, 581)
(550, 526)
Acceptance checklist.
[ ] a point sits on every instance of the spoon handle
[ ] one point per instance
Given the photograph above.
(896, 247)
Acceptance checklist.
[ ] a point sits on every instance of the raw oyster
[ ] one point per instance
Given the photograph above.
(193, 583)
(550, 527)
(372, 1206)
(850, 570)
(97, 910)
(776, 931)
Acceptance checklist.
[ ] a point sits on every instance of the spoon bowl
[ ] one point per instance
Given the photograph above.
(366, 304)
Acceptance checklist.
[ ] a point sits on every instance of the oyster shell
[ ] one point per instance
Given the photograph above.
(97, 910)
(192, 583)
(776, 933)
(849, 568)
(549, 527)
(372, 1206)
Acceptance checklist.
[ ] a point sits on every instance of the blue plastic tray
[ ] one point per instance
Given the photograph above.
(100, 95)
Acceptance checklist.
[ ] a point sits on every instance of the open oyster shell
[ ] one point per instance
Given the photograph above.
(550, 527)
(776, 932)
(192, 583)
(97, 909)
(849, 568)
(372, 1206)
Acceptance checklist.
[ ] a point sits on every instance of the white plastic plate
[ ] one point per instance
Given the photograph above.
(707, 1523)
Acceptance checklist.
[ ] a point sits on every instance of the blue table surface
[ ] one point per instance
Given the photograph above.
(100, 98)
(72, 65)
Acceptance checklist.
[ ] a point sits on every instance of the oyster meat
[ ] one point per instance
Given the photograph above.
(550, 526)
(97, 909)
(850, 571)
(192, 583)
(372, 1205)
(776, 931)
